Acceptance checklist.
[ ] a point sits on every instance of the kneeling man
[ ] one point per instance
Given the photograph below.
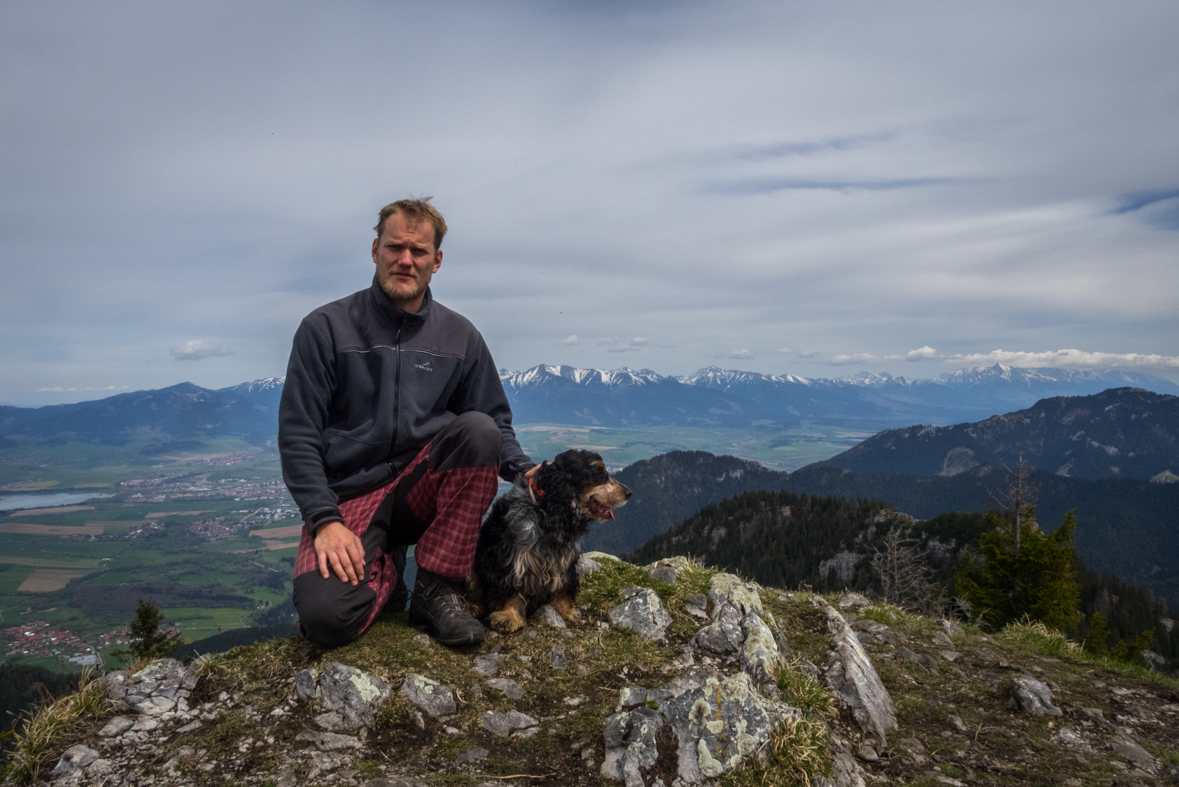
(393, 425)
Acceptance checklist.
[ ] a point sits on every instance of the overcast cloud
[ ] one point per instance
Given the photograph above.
(901, 187)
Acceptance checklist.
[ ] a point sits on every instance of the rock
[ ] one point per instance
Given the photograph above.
(957, 723)
(853, 600)
(665, 574)
(631, 745)
(878, 631)
(550, 617)
(592, 561)
(351, 696)
(720, 724)
(191, 726)
(557, 657)
(306, 684)
(697, 606)
(950, 655)
(156, 689)
(760, 657)
(729, 589)
(1097, 716)
(725, 635)
(144, 724)
(508, 687)
(328, 741)
(853, 678)
(433, 697)
(941, 640)
(115, 727)
(488, 664)
(643, 613)
(511, 724)
(927, 662)
(75, 758)
(422, 640)
(1128, 748)
(951, 628)
(100, 769)
(867, 753)
(1032, 696)
(477, 754)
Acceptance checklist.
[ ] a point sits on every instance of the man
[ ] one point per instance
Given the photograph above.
(392, 427)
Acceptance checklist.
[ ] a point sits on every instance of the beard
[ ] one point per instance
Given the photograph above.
(405, 292)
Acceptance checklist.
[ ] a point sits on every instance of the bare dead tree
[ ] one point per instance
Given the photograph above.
(1019, 497)
(904, 572)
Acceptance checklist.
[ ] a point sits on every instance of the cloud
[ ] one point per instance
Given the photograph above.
(770, 185)
(783, 350)
(633, 346)
(923, 354)
(571, 340)
(853, 358)
(1069, 359)
(740, 354)
(197, 349)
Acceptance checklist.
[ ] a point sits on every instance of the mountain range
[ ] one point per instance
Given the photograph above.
(1118, 433)
(618, 398)
(625, 397)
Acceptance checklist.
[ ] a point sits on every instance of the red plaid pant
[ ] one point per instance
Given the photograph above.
(434, 502)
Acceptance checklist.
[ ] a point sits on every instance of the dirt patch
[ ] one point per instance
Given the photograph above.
(290, 531)
(47, 580)
(281, 544)
(32, 529)
(53, 510)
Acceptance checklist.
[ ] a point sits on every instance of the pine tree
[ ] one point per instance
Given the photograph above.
(148, 641)
(1097, 642)
(1039, 581)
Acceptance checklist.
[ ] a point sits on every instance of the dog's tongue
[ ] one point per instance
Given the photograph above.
(610, 513)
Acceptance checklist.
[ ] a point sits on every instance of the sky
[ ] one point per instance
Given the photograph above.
(813, 188)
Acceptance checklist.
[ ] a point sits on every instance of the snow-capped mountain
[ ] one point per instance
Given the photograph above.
(565, 394)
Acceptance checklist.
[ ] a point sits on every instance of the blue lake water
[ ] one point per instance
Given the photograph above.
(38, 500)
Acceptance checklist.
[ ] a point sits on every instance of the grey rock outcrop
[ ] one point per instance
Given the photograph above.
(854, 680)
(433, 697)
(716, 723)
(512, 724)
(161, 687)
(1032, 696)
(351, 696)
(74, 759)
(643, 613)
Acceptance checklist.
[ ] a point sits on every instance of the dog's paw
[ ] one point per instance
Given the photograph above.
(506, 621)
(572, 617)
(564, 606)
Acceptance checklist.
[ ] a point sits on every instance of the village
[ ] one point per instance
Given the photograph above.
(38, 639)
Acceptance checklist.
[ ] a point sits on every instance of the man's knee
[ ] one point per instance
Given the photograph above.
(326, 615)
(471, 440)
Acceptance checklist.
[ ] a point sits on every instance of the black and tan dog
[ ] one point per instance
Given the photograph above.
(529, 546)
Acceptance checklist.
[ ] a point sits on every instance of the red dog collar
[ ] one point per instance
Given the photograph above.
(536, 490)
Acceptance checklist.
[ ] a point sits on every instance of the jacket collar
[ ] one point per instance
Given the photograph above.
(385, 305)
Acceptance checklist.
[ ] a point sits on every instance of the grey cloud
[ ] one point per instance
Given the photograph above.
(197, 349)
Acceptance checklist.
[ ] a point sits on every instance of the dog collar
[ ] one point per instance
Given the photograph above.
(537, 492)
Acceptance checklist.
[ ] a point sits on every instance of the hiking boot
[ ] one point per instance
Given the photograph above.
(400, 595)
(438, 605)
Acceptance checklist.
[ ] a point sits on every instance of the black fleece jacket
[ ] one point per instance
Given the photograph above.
(369, 385)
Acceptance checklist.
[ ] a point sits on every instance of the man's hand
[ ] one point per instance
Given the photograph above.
(338, 547)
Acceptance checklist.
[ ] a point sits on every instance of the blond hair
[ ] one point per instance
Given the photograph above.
(414, 210)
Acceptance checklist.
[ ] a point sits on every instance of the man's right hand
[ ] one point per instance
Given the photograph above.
(338, 547)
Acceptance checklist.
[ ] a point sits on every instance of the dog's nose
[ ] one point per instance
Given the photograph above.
(625, 491)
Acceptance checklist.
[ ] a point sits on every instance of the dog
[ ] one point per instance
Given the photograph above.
(529, 546)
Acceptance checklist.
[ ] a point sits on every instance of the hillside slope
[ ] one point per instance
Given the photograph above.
(603, 703)
(1119, 433)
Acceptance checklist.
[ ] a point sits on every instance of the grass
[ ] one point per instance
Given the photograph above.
(804, 692)
(34, 742)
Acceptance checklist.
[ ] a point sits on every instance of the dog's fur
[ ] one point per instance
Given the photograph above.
(529, 546)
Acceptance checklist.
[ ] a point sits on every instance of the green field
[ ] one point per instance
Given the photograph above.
(206, 587)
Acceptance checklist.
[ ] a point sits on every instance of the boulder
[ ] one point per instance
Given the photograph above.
(631, 746)
(434, 698)
(74, 759)
(1032, 696)
(511, 724)
(508, 687)
(351, 696)
(160, 687)
(643, 613)
(852, 677)
(550, 617)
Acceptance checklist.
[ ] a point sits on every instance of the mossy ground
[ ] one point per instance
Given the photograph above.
(991, 745)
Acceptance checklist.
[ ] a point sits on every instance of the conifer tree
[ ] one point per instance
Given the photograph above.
(148, 641)
(1039, 581)
(1097, 642)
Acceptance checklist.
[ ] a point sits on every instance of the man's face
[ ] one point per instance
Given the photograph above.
(406, 260)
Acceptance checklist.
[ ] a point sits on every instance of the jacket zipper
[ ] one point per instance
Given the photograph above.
(396, 391)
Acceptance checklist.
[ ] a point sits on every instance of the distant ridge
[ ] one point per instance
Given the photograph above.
(1118, 433)
(619, 398)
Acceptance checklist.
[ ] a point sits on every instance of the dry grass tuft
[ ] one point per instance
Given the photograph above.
(36, 741)
(804, 692)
